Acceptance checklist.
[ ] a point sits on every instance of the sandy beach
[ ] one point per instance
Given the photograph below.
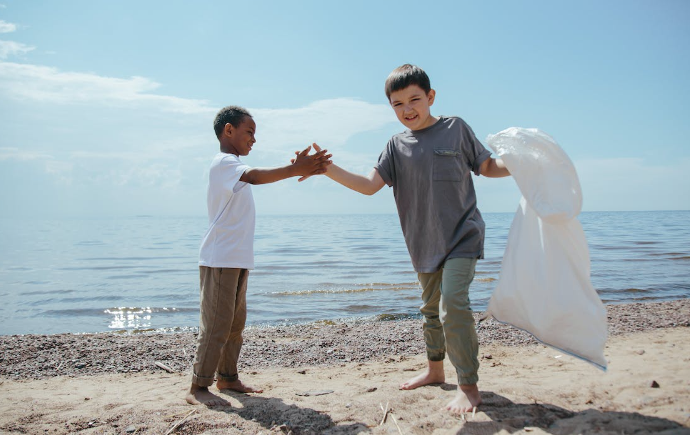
(340, 377)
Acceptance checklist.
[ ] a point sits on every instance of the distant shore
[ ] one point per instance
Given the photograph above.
(315, 344)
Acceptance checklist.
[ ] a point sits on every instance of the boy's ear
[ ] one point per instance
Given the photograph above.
(432, 96)
(227, 130)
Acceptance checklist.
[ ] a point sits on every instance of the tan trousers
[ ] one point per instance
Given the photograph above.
(448, 321)
(222, 318)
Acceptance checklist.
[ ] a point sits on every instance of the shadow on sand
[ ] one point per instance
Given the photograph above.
(513, 417)
(273, 413)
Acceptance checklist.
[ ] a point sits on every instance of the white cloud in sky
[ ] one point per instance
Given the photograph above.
(150, 155)
(12, 48)
(328, 122)
(60, 170)
(47, 84)
(6, 27)
(12, 153)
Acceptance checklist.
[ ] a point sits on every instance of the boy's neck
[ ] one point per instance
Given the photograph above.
(431, 120)
(228, 150)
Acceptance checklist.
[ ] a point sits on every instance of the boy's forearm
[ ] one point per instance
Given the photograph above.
(268, 175)
(367, 185)
(494, 168)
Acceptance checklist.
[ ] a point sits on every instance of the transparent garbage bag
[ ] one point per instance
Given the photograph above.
(544, 285)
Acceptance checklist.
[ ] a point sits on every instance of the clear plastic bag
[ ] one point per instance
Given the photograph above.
(544, 286)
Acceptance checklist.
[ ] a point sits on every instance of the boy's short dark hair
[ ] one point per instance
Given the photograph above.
(230, 114)
(407, 75)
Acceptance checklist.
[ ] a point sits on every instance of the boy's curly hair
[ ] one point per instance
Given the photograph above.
(230, 114)
(404, 76)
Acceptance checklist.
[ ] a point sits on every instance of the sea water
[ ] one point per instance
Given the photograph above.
(141, 273)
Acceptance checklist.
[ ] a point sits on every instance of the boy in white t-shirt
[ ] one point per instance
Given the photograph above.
(227, 252)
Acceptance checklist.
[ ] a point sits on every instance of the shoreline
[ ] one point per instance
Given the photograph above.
(324, 343)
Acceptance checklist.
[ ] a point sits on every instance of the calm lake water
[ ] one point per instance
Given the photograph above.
(140, 273)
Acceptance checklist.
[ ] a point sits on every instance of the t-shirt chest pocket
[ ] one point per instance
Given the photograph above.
(448, 165)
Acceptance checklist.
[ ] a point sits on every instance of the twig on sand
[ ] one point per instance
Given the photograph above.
(385, 412)
(164, 367)
(180, 422)
(396, 424)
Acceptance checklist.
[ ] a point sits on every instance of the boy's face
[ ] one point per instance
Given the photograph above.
(240, 140)
(412, 105)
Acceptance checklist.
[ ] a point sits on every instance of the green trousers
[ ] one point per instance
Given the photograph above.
(448, 322)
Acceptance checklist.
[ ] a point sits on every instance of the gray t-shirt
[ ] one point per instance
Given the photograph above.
(430, 172)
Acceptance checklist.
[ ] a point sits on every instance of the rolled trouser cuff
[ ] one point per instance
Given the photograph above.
(435, 356)
(468, 380)
(227, 378)
(202, 381)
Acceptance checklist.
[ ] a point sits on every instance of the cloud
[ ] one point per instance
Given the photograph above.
(330, 122)
(47, 84)
(152, 154)
(10, 153)
(11, 48)
(6, 27)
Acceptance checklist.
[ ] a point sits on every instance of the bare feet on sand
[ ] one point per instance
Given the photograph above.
(237, 386)
(434, 374)
(466, 400)
(201, 396)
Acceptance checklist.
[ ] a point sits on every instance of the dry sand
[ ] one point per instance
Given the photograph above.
(528, 388)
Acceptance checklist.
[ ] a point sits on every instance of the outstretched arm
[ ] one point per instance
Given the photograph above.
(493, 168)
(364, 184)
(304, 165)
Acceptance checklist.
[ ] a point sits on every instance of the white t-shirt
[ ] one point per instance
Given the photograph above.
(229, 241)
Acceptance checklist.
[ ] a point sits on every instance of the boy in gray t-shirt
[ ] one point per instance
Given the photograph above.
(429, 167)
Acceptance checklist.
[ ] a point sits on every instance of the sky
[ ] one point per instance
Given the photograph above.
(106, 108)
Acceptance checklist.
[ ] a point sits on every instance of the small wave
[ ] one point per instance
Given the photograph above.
(149, 310)
(152, 258)
(132, 276)
(89, 243)
(395, 316)
(370, 288)
(373, 284)
(166, 271)
(48, 292)
(122, 267)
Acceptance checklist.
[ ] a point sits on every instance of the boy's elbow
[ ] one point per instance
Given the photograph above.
(370, 189)
(250, 177)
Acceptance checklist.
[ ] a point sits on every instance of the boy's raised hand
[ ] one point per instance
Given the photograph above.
(307, 165)
(319, 151)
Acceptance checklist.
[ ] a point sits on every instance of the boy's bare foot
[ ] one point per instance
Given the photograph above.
(467, 398)
(201, 396)
(236, 386)
(434, 374)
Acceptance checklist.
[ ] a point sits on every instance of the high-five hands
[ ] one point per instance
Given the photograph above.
(318, 162)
